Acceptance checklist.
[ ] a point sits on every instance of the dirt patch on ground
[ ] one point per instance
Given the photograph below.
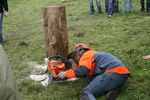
(23, 43)
(79, 35)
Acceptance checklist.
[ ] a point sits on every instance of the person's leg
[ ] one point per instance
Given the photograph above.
(1, 20)
(113, 94)
(148, 6)
(110, 8)
(116, 6)
(142, 5)
(106, 6)
(87, 96)
(91, 6)
(130, 5)
(124, 6)
(102, 84)
(99, 6)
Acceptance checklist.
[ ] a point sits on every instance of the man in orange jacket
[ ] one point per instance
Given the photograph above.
(105, 72)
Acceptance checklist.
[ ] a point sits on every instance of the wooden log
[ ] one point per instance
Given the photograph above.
(55, 28)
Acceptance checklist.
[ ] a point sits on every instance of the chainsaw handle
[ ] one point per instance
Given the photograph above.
(56, 57)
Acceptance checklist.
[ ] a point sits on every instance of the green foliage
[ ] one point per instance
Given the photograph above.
(125, 36)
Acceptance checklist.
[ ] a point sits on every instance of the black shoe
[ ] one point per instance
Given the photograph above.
(1, 43)
(84, 97)
(92, 13)
(142, 10)
(148, 11)
(109, 16)
(112, 95)
(99, 12)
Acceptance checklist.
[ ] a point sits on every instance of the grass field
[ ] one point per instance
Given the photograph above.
(125, 36)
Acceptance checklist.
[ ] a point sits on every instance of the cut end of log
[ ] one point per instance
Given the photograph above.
(54, 6)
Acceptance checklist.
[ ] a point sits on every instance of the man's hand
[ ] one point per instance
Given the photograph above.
(61, 75)
(6, 13)
(147, 57)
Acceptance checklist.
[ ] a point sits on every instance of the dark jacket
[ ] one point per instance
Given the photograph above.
(3, 6)
(8, 88)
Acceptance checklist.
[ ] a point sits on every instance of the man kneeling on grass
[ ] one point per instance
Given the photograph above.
(105, 72)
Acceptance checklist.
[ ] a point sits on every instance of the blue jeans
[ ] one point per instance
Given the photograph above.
(92, 6)
(143, 5)
(116, 6)
(124, 6)
(109, 5)
(102, 84)
(1, 20)
(148, 6)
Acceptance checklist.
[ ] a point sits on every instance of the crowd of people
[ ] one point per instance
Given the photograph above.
(112, 6)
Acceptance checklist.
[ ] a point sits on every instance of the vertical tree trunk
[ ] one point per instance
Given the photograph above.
(55, 27)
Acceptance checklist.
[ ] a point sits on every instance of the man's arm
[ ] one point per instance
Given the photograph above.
(80, 72)
(147, 57)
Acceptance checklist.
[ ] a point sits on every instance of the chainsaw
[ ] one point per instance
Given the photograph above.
(55, 65)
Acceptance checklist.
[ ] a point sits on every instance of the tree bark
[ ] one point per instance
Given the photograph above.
(55, 28)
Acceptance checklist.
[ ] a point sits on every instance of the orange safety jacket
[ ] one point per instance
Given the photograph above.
(97, 62)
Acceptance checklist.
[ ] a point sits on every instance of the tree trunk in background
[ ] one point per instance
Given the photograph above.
(55, 27)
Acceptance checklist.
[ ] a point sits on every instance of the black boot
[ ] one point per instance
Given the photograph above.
(84, 97)
(112, 95)
(87, 97)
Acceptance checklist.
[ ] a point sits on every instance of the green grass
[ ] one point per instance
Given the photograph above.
(125, 36)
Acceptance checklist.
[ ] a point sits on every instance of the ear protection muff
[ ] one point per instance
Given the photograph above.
(74, 53)
(80, 52)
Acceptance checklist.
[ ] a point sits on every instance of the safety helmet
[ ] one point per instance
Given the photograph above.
(80, 46)
(78, 49)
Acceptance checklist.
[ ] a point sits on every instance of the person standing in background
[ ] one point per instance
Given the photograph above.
(143, 5)
(116, 6)
(130, 8)
(3, 11)
(92, 6)
(109, 5)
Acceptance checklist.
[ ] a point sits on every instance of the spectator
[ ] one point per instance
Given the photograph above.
(109, 5)
(130, 8)
(3, 11)
(92, 6)
(116, 6)
(8, 89)
(143, 5)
